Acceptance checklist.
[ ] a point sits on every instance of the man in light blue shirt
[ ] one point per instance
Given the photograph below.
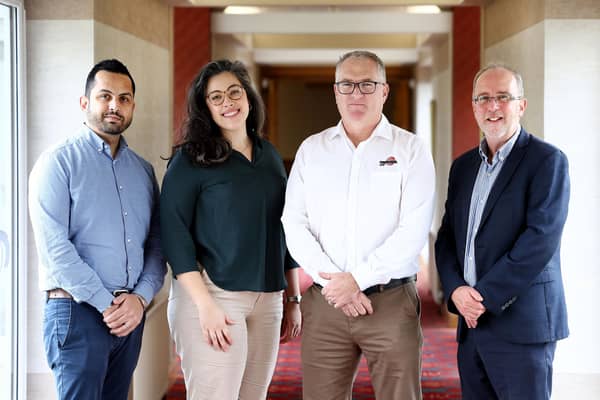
(93, 204)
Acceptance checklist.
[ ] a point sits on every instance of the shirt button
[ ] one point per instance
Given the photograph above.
(125, 213)
(128, 240)
(120, 187)
(470, 258)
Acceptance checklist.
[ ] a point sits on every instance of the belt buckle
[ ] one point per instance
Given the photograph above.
(119, 292)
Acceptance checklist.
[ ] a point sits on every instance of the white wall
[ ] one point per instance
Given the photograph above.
(571, 121)
(560, 63)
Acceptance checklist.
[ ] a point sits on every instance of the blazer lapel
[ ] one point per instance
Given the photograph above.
(468, 176)
(508, 169)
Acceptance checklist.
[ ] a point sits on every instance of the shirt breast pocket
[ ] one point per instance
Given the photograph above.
(386, 186)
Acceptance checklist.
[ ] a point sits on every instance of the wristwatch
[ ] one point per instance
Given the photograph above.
(294, 299)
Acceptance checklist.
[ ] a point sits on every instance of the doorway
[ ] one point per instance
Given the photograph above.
(300, 102)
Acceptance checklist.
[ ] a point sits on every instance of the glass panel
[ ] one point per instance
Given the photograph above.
(7, 178)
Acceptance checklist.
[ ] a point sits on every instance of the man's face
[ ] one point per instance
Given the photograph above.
(360, 112)
(498, 120)
(109, 109)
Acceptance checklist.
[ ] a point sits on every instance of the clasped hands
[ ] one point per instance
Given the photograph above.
(469, 303)
(343, 292)
(124, 314)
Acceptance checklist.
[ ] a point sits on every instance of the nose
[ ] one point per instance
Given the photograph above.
(357, 92)
(113, 105)
(493, 103)
(227, 101)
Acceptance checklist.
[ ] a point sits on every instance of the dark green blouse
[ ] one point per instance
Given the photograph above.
(228, 218)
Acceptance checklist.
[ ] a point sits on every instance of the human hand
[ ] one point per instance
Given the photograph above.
(291, 327)
(468, 301)
(124, 314)
(361, 305)
(214, 323)
(341, 288)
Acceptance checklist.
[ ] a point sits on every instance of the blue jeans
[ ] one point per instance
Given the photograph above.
(87, 361)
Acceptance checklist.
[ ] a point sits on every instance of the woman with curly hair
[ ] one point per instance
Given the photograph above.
(221, 204)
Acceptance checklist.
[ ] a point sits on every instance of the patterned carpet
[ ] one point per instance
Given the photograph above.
(439, 377)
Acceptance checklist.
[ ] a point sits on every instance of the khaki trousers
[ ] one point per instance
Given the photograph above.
(245, 370)
(390, 338)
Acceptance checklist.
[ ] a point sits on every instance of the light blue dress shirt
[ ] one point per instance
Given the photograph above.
(486, 176)
(96, 221)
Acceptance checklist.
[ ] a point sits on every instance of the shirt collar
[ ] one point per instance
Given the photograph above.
(382, 129)
(502, 152)
(97, 142)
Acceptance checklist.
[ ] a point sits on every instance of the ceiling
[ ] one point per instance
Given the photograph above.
(317, 32)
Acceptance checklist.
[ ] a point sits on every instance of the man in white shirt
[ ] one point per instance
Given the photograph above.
(357, 214)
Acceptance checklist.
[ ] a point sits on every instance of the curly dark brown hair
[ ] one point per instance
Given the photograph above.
(202, 139)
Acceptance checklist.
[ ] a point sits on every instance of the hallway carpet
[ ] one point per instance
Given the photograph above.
(439, 377)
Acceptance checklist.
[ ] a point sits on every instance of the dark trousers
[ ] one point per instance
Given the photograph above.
(491, 368)
(87, 361)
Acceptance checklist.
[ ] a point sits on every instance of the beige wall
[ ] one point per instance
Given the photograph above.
(64, 40)
(442, 130)
(504, 18)
(235, 48)
(525, 52)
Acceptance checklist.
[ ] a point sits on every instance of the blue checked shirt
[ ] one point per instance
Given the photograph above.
(483, 185)
(96, 221)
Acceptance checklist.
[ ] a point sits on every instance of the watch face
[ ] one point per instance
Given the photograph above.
(294, 299)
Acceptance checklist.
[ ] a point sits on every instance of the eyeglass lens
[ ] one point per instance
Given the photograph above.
(217, 97)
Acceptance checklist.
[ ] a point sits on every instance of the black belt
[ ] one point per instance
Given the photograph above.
(380, 288)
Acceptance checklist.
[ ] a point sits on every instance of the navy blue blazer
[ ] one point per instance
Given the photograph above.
(517, 245)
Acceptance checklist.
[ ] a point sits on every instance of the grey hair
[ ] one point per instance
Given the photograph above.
(364, 54)
(499, 65)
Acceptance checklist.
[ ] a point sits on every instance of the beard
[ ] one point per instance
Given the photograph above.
(98, 122)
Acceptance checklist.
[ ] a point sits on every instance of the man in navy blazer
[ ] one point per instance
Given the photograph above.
(498, 248)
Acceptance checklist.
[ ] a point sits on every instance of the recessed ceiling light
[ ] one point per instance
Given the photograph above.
(241, 10)
(423, 10)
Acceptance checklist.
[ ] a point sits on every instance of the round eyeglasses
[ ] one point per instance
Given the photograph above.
(217, 97)
(365, 87)
(504, 98)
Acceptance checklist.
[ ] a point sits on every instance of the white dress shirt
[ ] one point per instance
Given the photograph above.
(365, 209)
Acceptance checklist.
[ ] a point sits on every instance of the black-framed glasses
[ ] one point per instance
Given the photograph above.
(217, 97)
(504, 98)
(365, 87)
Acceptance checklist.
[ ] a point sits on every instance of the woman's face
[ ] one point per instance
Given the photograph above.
(228, 103)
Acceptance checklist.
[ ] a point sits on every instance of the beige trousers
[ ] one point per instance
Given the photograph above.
(245, 370)
(390, 339)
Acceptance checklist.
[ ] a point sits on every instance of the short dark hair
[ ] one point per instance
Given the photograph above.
(112, 65)
(203, 141)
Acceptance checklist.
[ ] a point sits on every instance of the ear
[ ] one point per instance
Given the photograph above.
(386, 91)
(84, 102)
(522, 106)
